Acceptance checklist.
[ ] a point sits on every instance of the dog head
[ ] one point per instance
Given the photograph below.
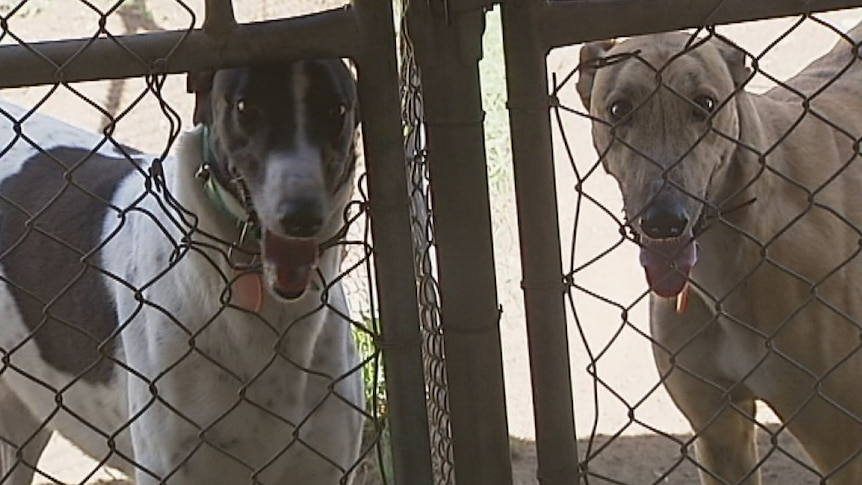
(282, 139)
(664, 122)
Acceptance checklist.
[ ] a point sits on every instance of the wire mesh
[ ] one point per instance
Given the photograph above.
(761, 337)
(423, 233)
(150, 114)
(622, 398)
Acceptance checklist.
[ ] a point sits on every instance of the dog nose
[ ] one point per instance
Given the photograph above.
(302, 219)
(664, 222)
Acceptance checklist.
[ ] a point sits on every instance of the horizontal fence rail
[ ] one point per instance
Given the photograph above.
(567, 22)
(321, 35)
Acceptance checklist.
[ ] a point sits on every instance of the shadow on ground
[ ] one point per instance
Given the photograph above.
(636, 460)
(655, 459)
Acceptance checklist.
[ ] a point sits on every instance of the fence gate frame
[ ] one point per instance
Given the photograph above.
(363, 31)
(447, 41)
(531, 29)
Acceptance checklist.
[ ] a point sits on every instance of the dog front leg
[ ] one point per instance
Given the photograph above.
(726, 446)
(724, 429)
(686, 351)
(23, 440)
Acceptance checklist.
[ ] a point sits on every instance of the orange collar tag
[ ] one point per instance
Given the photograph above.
(682, 299)
(248, 291)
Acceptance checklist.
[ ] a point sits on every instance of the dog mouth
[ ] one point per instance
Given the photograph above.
(668, 263)
(288, 264)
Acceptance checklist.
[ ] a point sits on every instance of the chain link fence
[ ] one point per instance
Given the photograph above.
(423, 233)
(733, 355)
(753, 345)
(149, 113)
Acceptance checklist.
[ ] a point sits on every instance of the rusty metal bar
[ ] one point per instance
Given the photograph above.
(389, 213)
(219, 18)
(447, 49)
(539, 233)
(326, 34)
(571, 22)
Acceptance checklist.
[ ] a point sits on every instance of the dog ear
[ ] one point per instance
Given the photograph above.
(590, 54)
(734, 57)
(350, 64)
(201, 83)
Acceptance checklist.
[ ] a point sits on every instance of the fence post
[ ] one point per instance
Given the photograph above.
(448, 46)
(538, 226)
(219, 19)
(389, 212)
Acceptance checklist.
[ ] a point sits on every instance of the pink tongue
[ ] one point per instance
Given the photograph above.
(289, 264)
(668, 264)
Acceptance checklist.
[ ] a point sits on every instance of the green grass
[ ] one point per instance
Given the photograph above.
(372, 372)
(376, 431)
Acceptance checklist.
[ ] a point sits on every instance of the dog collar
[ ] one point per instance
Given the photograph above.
(247, 287)
(235, 209)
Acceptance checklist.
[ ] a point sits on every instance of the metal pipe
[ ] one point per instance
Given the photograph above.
(538, 228)
(389, 213)
(219, 18)
(326, 34)
(571, 22)
(447, 52)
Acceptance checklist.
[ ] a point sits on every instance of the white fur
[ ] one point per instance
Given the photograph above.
(238, 407)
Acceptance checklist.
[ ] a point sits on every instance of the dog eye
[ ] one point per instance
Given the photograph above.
(705, 106)
(245, 107)
(619, 110)
(339, 111)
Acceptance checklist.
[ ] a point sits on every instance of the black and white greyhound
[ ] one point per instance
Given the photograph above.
(182, 320)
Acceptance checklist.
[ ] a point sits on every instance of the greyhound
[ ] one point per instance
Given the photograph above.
(181, 319)
(746, 210)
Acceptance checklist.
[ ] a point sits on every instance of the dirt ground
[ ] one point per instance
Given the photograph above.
(648, 432)
(655, 459)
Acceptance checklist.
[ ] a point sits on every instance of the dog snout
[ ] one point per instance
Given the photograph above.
(664, 222)
(302, 218)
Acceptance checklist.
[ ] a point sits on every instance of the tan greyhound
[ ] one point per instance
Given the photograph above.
(748, 211)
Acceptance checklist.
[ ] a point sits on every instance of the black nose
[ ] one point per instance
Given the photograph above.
(664, 222)
(302, 219)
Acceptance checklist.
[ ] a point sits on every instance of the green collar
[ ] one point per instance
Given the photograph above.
(219, 195)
